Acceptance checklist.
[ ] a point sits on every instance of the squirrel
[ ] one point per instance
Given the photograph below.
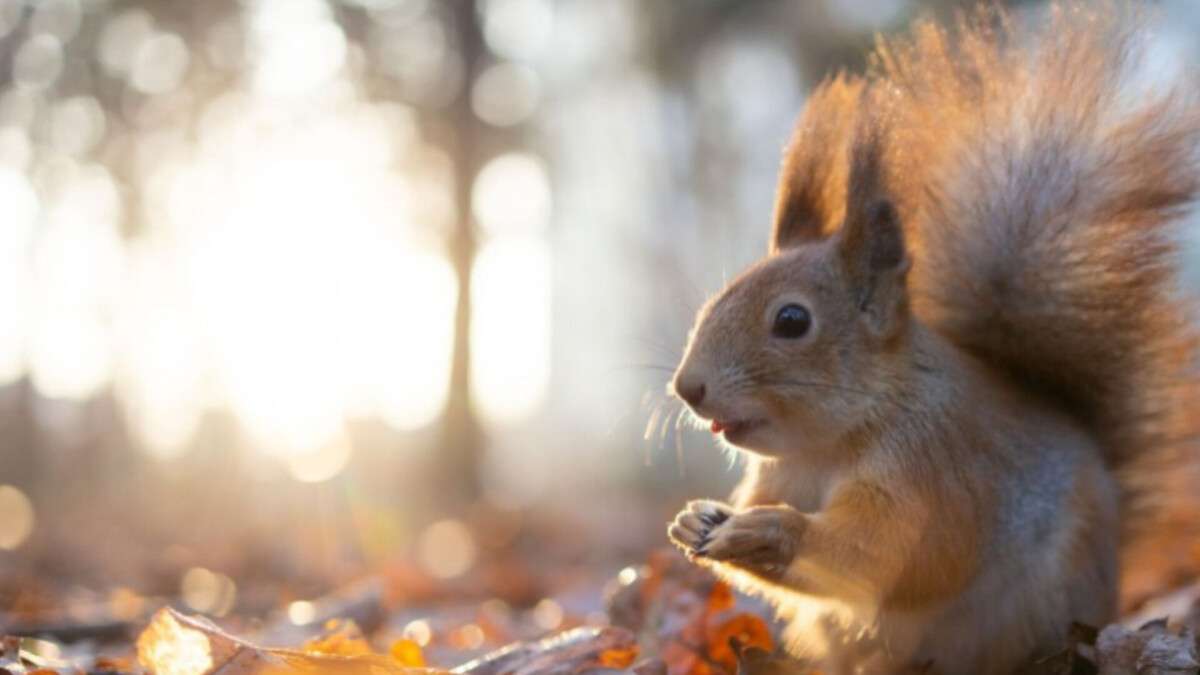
(960, 377)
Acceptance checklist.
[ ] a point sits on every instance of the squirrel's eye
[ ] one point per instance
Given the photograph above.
(791, 322)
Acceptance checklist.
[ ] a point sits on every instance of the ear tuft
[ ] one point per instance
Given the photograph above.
(810, 199)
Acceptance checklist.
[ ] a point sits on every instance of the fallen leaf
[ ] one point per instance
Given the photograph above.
(342, 638)
(15, 661)
(175, 644)
(741, 629)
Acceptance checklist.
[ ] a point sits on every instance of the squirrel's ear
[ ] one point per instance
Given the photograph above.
(871, 250)
(812, 180)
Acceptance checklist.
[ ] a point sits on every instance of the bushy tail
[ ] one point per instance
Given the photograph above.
(1047, 176)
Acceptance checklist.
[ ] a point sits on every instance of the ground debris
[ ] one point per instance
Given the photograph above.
(1153, 649)
(16, 661)
(665, 617)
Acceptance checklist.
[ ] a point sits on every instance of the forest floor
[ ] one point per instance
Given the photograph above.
(663, 616)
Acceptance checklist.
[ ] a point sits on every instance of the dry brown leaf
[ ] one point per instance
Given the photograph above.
(341, 638)
(175, 644)
(14, 661)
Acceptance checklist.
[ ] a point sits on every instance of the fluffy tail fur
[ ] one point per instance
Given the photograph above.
(1043, 179)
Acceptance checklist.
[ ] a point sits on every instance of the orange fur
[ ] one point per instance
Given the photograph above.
(939, 466)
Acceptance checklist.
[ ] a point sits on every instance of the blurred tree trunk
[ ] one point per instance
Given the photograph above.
(459, 453)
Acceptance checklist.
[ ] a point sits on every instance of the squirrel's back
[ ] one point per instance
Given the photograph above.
(1044, 181)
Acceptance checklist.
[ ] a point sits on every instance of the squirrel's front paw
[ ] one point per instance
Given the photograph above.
(763, 539)
(692, 526)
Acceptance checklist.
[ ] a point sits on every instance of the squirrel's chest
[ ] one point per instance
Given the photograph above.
(805, 488)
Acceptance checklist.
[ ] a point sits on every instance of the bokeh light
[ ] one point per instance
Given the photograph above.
(77, 125)
(446, 549)
(419, 631)
(505, 94)
(468, 637)
(208, 592)
(517, 29)
(511, 195)
(38, 62)
(301, 612)
(122, 39)
(60, 18)
(548, 614)
(321, 464)
(159, 64)
(16, 517)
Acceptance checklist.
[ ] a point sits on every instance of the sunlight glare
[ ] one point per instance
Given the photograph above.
(77, 264)
(161, 370)
(323, 463)
(312, 292)
(169, 648)
(21, 207)
(295, 44)
(510, 327)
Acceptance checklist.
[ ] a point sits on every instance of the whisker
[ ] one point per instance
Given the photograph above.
(618, 421)
(672, 352)
(666, 427)
(652, 422)
(679, 444)
(679, 434)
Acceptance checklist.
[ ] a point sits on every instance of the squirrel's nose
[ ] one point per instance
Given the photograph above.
(691, 392)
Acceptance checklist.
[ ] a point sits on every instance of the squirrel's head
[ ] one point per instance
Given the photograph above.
(789, 356)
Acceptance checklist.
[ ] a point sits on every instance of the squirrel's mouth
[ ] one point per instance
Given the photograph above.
(733, 429)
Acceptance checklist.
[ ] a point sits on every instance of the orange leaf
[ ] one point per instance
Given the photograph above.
(407, 653)
(618, 658)
(721, 598)
(748, 629)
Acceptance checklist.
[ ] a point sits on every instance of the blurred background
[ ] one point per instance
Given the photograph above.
(294, 291)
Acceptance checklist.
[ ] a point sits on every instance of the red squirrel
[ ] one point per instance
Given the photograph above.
(961, 370)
